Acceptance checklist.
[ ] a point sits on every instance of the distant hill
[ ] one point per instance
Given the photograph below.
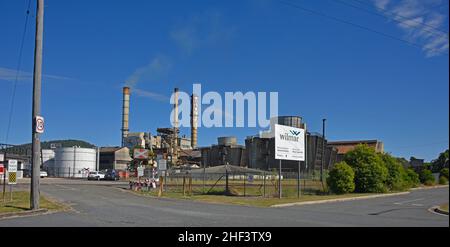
(26, 148)
(65, 144)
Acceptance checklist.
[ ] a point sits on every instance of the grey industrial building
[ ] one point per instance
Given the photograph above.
(261, 154)
(227, 151)
(114, 158)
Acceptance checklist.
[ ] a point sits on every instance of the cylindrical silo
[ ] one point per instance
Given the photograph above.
(48, 159)
(293, 121)
(227, 141)
(74, 162)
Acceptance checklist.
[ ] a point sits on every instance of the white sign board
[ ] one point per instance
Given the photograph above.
(12, 165)
(2, 157)
(289, 143)
(39, 124)
(140, 171)
(162, 165)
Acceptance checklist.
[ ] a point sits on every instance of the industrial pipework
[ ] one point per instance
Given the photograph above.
(125, 113)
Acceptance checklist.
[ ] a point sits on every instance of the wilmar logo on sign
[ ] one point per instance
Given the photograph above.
(289, 143)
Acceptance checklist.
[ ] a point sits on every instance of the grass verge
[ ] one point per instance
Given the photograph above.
(444, 207)
(250, 201)
(21, 203)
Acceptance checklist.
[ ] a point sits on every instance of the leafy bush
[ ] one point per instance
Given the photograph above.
(444, 173)
(370, 172)
(426, 177)
(341, 178)
(411, 178)
(396, 173)
(441, 161)
(443, 180)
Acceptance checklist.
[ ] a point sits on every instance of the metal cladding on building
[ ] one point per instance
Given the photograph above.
(261, 155)
(116, 158)
(227, 141)
(194, 120)
(125, 113)
(293, 121)
(73, 162)
(226, 152)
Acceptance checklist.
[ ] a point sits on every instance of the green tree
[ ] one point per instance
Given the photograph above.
(370, 172)
(443, 180)
(341, 178)
(426, 177)
(444, 173)
(411, 178)
(396, 173)
(441, 162)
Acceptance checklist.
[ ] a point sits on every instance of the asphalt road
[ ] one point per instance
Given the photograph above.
(105, 205)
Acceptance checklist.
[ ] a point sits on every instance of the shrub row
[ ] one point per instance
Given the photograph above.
(365, 171)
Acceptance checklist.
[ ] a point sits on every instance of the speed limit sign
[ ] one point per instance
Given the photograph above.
(39, 124)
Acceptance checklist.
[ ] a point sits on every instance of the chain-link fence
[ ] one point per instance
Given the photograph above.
(263, 184)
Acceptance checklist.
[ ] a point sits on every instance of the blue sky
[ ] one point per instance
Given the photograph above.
(367, 85)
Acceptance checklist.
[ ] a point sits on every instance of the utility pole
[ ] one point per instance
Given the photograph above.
(323, 149)
(36, 143)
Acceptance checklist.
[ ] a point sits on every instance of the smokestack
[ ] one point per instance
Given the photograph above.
(125, 113)
(194, 120)
(175, 126)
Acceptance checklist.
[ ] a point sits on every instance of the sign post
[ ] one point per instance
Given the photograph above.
(3, 172)
(12, 176)
(162, 166)
(289, 145)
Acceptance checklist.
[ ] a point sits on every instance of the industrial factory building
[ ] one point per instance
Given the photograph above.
(345, 146)
(261, 149)
(166, 143)
(117, 158)
(227, 151)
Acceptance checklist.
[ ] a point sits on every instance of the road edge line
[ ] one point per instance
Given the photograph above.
(338, 200)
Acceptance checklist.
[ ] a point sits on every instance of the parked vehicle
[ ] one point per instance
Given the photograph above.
(43, 174)
(112, 175)
(96, 175)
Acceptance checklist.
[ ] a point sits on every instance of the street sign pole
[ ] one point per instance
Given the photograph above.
(4, 185)
(298, 181)
(279, 181)
(37, 76)
(289, 145)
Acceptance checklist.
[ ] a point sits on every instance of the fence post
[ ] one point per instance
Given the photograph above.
(245, 178)
(184, 185)
(190, 185)
(264, 184)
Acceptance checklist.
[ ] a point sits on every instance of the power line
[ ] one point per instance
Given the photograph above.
(401, 16)
(19, 63)
(357, 25)
(426, 29)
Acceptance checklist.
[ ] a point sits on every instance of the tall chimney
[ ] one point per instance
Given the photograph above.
(175, 127)
(125, 113)
(194, 120)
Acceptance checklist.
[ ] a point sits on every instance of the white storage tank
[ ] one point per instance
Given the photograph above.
(48, 159)
(74, 162)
